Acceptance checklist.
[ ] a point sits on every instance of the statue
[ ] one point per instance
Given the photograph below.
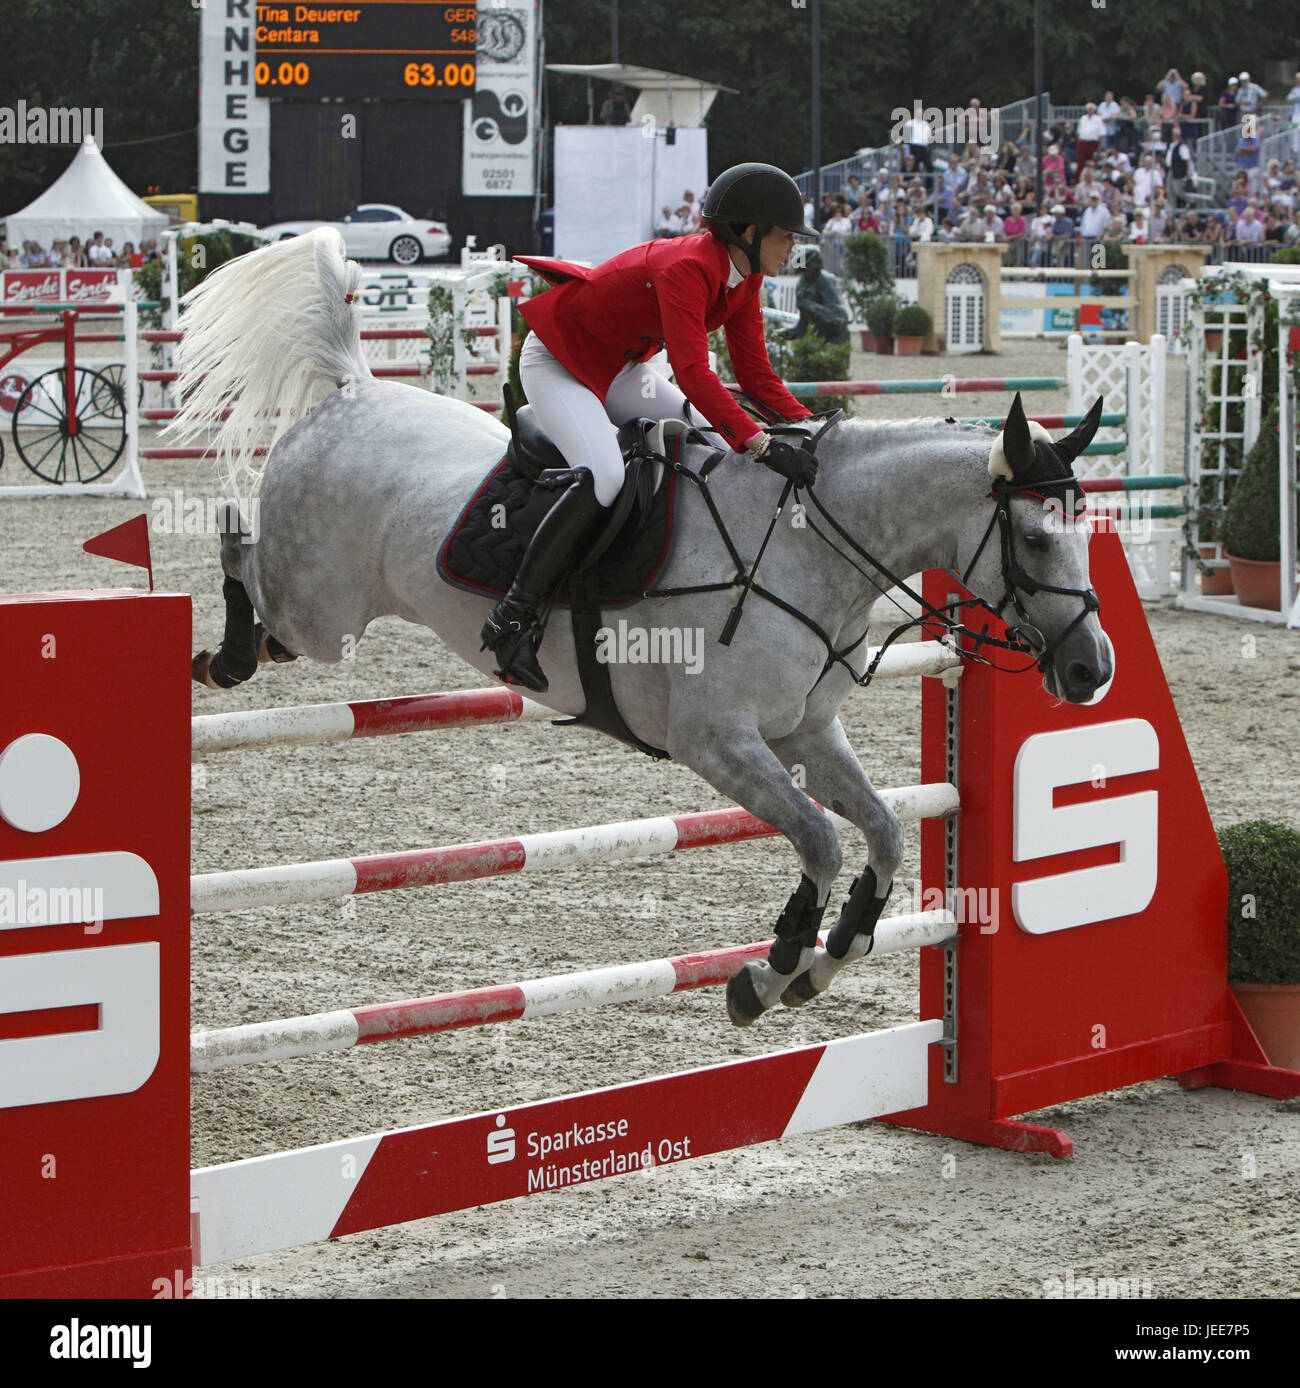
(821, 310)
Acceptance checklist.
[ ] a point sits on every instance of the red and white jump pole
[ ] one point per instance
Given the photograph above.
(306, 724)
(561, 848)
(291, 1037)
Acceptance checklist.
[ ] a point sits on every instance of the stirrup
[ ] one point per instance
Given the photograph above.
(513, 639)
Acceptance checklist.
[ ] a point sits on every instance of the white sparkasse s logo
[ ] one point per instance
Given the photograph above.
(118, 1057)
(501, 1144)
(1069, 757)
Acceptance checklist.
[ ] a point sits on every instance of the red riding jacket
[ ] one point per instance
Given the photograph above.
(669, 292)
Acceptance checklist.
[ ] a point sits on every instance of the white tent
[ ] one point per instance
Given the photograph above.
(87, 197)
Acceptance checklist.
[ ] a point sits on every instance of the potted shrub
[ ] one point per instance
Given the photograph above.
(1215, 582)
(1252, 522)
(911, 324)
(812, 358)
(1263, 862)
(880, 319)
(867, 274)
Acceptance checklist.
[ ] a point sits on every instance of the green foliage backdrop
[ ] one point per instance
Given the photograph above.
(139, 63)
(878, 56)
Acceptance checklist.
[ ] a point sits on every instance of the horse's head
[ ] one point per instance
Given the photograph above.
(1026, 554)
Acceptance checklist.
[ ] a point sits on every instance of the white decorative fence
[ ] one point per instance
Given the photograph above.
(1130, 378)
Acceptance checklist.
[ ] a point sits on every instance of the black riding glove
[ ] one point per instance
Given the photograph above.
(796, 464)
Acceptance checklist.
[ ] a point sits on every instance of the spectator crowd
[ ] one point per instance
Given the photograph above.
(98, 253)
(1119, 172)
(685, 219)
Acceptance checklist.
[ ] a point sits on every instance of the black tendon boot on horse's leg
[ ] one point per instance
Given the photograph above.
(850, 938)
(245, 641)
(757, 985)
(236, 661)
(514, 626)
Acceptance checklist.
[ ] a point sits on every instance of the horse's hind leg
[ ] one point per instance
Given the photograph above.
(834, 776)
(245, 642)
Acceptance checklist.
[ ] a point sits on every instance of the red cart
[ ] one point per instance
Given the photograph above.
(69, 423)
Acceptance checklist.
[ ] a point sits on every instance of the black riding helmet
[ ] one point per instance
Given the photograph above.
(757, 195)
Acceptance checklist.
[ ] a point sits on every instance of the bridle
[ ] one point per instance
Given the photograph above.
(1065, 492)
(1023, 638)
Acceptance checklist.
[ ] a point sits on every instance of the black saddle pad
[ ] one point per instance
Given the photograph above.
(482, 551)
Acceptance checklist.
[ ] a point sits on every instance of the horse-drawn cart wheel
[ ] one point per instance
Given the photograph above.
(46, 438)
(115, 375)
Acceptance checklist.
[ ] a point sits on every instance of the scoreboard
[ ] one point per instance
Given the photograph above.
(366, 48)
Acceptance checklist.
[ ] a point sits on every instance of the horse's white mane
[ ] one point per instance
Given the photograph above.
(997, 462)
(857, 424)
(267, 336)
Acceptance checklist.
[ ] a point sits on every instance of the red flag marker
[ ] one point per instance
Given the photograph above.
(128, 543)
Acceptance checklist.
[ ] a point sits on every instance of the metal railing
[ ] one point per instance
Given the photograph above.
(1007, 123)
(1013, 118)
(1284, 145)
(1215, 155)
(902, 253)
(1250, 253)
(1058, 253)
(1214, 151)
(1189, 128)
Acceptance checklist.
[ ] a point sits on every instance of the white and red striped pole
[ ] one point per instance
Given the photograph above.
(561, 848)
(305, 724)
(340, 1030)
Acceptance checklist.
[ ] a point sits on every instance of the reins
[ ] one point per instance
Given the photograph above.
(1023, 638)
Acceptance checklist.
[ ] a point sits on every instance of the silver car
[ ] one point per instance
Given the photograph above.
(378, 231)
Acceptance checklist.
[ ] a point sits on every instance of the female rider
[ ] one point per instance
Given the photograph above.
(584, 370)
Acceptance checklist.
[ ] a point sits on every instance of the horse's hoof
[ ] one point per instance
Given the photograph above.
(802, 990)
(200, 670)
(269, 650)
(744, 1006)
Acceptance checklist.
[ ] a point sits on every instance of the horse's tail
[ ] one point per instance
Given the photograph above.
(267, 336)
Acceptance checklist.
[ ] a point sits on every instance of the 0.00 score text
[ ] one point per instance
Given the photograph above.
(286, 75)
(426, 75)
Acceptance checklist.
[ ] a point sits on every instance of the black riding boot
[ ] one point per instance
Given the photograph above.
(513, 629)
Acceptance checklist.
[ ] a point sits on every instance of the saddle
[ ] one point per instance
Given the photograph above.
(482, 551)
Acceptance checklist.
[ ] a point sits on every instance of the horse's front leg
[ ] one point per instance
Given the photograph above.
(726, 749)
(832, 774)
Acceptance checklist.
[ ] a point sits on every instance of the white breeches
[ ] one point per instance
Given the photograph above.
(583, 429)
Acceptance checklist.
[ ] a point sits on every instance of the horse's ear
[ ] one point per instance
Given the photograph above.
(1075, 442)
(1017, 445)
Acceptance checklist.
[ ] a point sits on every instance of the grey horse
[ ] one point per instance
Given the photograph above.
(356, 497)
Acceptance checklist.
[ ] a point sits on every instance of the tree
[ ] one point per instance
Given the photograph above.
(101, 53)
(879, 57)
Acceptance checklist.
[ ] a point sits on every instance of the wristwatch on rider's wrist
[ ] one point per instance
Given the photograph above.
(758, 445)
